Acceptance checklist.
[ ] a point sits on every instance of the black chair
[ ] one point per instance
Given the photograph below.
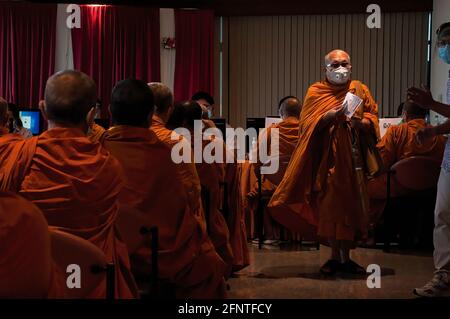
(206, 201)
(135, 232)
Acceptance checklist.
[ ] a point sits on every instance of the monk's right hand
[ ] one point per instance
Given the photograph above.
(336, 115)
(424, 134)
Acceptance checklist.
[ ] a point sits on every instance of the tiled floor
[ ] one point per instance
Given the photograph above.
(289, 274)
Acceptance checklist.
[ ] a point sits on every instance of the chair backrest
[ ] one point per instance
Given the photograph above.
(417, 172)
(68, 249)
(135, 232)
(277, 177)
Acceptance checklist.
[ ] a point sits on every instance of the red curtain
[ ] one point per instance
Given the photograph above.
(115, 43)
(27, 51)
(194, 61)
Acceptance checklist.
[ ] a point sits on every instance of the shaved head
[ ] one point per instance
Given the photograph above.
(290, 107)
(3, 112)
(337, 55)
(69, 96)
(163, 97)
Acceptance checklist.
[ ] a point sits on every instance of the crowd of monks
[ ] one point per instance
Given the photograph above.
(77, 177)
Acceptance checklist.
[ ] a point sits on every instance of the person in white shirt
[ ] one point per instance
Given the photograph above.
(439, 286)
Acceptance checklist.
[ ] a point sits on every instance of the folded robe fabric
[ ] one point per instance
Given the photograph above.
(26, 266)
(76, 184)
(153, 185)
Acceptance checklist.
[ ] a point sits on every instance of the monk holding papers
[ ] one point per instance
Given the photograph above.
(324, 189)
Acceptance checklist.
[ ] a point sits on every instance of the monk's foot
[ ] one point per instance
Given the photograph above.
(350, 267)
(331, 267)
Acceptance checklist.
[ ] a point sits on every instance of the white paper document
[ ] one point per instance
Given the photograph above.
(351, 104)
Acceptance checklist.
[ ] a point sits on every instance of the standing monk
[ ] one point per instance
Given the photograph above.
(75, 182)
(289, 110)
(323, 190)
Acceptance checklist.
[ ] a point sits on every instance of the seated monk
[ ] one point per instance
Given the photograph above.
(153, 185)
(229, 174)
(164, 104)
(75, 182)
(26, 266)
(399, 143)
(210, 175)
(324, 192)
(206, 102)
(289, 110)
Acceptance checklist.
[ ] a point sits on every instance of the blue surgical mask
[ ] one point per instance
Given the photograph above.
(444, 53)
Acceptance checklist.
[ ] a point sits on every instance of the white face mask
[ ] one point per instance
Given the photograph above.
(341, 75)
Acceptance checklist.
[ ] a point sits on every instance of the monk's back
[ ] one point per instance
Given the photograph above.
(73, 181)
(288, 135)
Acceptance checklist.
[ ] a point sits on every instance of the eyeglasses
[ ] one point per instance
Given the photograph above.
(336, 65)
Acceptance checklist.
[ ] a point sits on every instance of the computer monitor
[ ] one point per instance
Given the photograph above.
(32, 120)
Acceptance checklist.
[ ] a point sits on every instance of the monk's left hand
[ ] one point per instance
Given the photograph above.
(420, 96)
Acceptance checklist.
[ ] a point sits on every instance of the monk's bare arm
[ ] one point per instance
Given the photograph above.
(441, 108)
(444, 128)
(424, 99)
(428, 132)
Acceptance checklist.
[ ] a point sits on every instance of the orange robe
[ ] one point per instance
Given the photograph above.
(320, 193)
(210, 177)
(188, 172)
(288, 139)
(236, 216)
(153, 185)
(26, 266)
(230, 174)
(288, 135)
(399, 143)
(76, 184)
(95, 132)
(3, 131)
